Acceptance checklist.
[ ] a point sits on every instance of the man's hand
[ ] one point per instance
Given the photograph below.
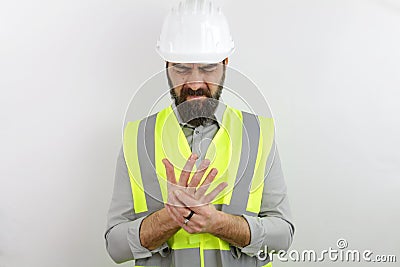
(158, 227)
(194, 197)
(173, 185)
(205, 215)
(204, 219)
(184, 198)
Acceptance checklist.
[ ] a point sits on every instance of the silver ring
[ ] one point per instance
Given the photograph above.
(186, 221)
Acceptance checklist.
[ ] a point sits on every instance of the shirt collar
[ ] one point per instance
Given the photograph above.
(219, 112)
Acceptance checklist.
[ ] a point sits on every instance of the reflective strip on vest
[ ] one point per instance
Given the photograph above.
(264, 148)
(132, 163)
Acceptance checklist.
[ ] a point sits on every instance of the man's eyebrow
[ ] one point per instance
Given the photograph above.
(179, 65)
(209, 65)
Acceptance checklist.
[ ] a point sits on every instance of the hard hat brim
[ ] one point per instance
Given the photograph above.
(193, 57)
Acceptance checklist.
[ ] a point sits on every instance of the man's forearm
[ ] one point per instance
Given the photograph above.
(156, 229)
(233, 229)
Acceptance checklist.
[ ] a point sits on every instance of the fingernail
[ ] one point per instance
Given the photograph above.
(193, 156)
(177, 193)
(214, 171)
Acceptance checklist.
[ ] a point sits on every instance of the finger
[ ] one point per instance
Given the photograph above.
(169, 171)
(183, 210)
(206, 184)
(187, 169)
(210, 196)
(198, 176)
(177, 216)
(191, 226)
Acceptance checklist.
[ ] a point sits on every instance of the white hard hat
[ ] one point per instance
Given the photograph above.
(195, 32)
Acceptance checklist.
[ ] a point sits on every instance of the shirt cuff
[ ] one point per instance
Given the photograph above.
(257, 234)
(138, 251)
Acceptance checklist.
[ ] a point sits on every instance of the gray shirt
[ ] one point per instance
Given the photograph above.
(199, 138)
(273, 228)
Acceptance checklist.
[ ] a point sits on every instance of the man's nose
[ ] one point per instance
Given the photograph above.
(196, 85)
(196, 80)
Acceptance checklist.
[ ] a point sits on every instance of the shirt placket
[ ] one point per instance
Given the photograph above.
(196, 142)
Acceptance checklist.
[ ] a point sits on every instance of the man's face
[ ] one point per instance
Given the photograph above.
(196, 89)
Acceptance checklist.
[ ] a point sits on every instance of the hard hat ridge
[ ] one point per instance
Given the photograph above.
(195, 6)
(195, 32)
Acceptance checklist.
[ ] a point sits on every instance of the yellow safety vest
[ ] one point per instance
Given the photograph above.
(239, 150)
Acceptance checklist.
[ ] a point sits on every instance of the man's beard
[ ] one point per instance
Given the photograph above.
(200, 111)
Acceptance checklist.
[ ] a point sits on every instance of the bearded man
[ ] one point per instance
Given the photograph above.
(198, 183)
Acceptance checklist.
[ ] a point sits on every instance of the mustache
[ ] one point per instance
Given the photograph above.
(187, 91)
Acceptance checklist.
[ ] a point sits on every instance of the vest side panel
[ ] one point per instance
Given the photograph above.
(132, 163)
(146, 159)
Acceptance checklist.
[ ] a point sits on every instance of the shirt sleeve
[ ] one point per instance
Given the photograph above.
(273, 228)
(123, 225)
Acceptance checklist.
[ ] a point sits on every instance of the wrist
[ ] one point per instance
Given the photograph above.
(218, 222)
(167, 221)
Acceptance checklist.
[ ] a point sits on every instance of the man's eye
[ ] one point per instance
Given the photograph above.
(209, 68)
(182, 69)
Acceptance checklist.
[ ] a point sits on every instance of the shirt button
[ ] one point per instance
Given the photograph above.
(196, 132)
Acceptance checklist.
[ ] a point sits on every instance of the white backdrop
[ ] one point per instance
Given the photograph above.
(330, 70)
